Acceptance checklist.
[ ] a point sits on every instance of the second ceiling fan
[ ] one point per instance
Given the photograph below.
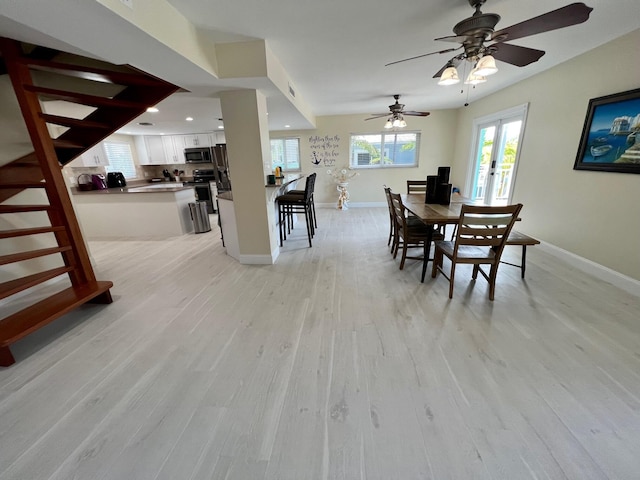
(396, 114)
(473, 32)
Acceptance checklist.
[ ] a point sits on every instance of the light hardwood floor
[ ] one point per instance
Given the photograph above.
(331, 364)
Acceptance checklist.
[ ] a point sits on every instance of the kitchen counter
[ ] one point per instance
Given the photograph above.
(286, 181)
(141, 210)
(139, 188)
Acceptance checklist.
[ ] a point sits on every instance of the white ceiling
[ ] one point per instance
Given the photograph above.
(334, 52)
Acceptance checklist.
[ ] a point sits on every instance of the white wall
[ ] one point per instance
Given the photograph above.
(436, 149)
(595, 215)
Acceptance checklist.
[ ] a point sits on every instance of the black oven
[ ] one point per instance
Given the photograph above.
(198, 155)
(201, 179)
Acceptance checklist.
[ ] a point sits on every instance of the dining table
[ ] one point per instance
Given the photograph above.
(434, 215)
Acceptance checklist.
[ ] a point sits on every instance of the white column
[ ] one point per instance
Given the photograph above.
(247, 135)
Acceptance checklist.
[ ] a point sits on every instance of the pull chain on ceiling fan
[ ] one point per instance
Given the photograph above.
(473, 32)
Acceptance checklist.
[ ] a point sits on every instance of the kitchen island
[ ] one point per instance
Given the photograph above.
(228, 224)
(147, 210)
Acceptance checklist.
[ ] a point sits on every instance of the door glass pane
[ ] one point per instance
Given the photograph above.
(505, 162)
(484, 150)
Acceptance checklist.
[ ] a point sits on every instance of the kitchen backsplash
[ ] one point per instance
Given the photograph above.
(143, 172)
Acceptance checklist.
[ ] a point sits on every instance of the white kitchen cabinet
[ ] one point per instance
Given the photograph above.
(94, 157)
(195, 140)
(217, 137)
(159, 149)
(150, 150)
(173, 149)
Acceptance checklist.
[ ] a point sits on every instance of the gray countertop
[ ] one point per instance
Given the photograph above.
(162, 187)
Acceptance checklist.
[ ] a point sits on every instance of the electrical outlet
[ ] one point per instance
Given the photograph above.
(128, 3)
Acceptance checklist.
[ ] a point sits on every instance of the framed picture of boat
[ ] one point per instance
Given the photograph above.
(610, 139)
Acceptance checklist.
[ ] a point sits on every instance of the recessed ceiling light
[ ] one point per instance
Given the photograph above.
(220, 126)
(189, 119)
(145, 124)
(287, 126)
(152, 110)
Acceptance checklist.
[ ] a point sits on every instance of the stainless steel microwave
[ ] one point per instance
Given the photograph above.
(198, 155)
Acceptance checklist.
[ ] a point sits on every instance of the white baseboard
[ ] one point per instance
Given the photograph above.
(258, 259)
(353, 205)
(628, 284)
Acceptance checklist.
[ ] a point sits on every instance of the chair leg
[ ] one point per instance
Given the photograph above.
(492, 281)
(523, 265)
(404, 255)
(437, 262)
(280, 222)
(313, 209)
(476, 268)
(309, 225)
(425, 260)
(396, 244)
(451, 279)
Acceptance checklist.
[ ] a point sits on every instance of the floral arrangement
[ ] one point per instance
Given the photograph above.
(342, 175)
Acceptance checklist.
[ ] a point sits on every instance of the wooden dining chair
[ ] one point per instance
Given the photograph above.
(416, 186)
(410, 232)
(392, 221)
(480, 238)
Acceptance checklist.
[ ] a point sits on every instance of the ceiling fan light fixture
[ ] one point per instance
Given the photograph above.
(388, 125)
(486, 66)
(396, 122)
(474, 78)
(402, 123)
(449, 76)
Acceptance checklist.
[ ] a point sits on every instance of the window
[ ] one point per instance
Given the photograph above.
(285, 153)
(120, 159)
(384, 150)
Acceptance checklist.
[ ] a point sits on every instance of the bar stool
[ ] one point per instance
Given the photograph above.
(291, 203)
(313, 203)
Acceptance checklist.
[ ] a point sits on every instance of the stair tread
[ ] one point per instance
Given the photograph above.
(83, 98)
(23, 208)
(91, 73)
(73, 122)
(22, 323)
(23, 185)
(29, 254)
(60, 143)
(12, 287)
(21, 232)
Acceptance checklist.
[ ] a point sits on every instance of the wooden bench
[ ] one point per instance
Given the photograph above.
(517, 238)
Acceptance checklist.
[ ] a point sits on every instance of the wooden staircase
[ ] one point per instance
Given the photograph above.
(53, 221)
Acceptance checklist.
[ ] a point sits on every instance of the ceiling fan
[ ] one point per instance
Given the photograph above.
(396, 114)
(473, 32)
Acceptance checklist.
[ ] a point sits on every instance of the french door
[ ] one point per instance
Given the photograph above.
(497, 140)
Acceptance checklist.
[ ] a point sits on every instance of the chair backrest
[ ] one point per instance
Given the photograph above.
(398, 209)
(309, 186)
(416, 186)
(484, 226)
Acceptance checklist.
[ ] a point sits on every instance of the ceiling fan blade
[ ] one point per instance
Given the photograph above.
(416, 114)
(572, 14)
(378, 115)
(514, 54)
(424, 55)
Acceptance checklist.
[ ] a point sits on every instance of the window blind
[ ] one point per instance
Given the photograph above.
(120, 159)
